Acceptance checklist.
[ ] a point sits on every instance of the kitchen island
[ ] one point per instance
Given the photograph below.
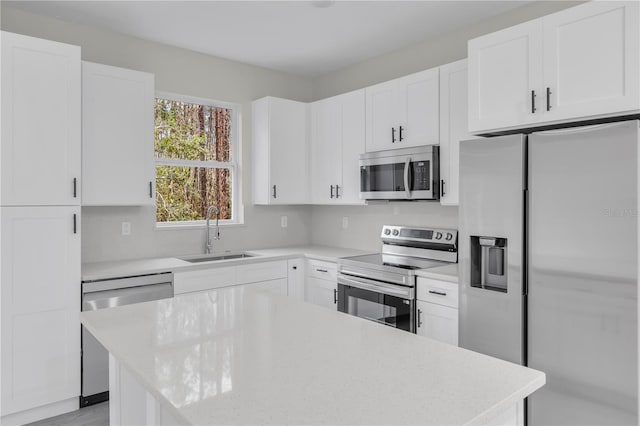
(241, 356)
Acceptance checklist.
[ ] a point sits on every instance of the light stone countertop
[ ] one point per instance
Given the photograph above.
(443, 273)
(241, 356)
(115, 269)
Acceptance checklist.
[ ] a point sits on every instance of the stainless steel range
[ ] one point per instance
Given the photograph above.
(381, 287)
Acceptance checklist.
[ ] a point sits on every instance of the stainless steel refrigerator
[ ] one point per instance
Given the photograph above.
(548, 254)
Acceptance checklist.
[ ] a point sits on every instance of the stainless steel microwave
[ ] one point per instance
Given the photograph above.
(401, 174)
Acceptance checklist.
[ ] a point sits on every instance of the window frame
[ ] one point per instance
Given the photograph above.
(237, 209)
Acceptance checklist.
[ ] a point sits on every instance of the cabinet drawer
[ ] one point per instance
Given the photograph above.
(322, 270)
(440, 292)
(266, 271)
(205, 279)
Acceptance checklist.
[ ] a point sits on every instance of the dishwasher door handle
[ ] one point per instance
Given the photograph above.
(126, 296)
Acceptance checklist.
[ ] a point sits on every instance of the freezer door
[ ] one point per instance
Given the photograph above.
(582, 299)
(490, 252)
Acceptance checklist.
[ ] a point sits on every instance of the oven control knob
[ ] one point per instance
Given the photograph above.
(395, 232)
(449, 236)
(438, 235)
(387, 231)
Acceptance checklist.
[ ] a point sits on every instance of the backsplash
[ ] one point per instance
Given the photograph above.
(365, 222)
(102, 238)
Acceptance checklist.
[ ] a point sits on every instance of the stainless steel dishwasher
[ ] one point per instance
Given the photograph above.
(101, 294)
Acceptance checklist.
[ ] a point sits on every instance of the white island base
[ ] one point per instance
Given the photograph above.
(239, 356)
(131, 404)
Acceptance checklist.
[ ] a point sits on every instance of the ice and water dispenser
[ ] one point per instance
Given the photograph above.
(489, 263)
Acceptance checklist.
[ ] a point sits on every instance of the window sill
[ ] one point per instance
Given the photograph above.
(199, 224)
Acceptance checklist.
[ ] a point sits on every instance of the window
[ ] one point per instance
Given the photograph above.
(196, 160)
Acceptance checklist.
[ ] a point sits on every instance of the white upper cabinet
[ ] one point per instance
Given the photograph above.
(505, 73)
(591, 56)
(117, 136)
(580, 63)
(337, 140)
(41, 113)
(279, 140)
(453, 127)
(403, 112)
(40, 296)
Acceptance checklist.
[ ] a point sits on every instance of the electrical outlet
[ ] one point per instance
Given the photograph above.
(283, 221)
(126, 228)
(345, 222)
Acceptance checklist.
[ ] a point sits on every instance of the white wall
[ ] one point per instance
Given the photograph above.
(365, 223)
(188, 73)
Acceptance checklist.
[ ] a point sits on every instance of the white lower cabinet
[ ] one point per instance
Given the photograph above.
(203, 279)
(437, 310)
(270, 275)
(437, 322)
(40, 294)
(295, 278)
(321, 283)
(278, 287)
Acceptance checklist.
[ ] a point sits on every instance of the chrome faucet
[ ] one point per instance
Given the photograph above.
(207, 243)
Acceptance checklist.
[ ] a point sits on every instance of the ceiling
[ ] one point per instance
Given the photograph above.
(307, 38)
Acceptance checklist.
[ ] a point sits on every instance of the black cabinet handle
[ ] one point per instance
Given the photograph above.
(75, 187)
(321, 270)
(274, 192)
(337, 191)
(533, 102)
(150, 189)
(439, 293)
(419, 318)
(548, 98)
(75, 223)
(335, 296)
(442, 184)
(331, 191)
(393, 135)
(400, 134)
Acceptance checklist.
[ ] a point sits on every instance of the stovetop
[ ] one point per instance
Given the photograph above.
(394, 261)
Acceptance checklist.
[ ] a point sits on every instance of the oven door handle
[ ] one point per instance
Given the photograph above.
(407, 164)
(377, 287)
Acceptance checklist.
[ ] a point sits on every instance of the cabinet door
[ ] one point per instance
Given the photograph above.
(321, 292)
(288, 166)
(381, 116)
(40, 293)
(505, 78)
(117, 136)
(437, 322)
(418, 104)
(40, 148)
(453, 127)
(353, 144)
(278, 287)
(295, 278)
(591, 60)
(326, 150)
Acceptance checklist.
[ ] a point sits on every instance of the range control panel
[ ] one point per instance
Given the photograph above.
(427, 235)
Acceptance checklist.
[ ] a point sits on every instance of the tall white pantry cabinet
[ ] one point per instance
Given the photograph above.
(40, 228)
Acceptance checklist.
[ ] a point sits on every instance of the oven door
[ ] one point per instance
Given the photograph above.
(381, 302)
(405, 177)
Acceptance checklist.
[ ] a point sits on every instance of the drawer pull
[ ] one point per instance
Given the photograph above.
(419, 318)
(439, 293)
(321, 270)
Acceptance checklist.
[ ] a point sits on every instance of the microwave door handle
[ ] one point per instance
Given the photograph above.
(407, 164)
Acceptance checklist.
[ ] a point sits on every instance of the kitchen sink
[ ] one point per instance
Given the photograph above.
(216, 257)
